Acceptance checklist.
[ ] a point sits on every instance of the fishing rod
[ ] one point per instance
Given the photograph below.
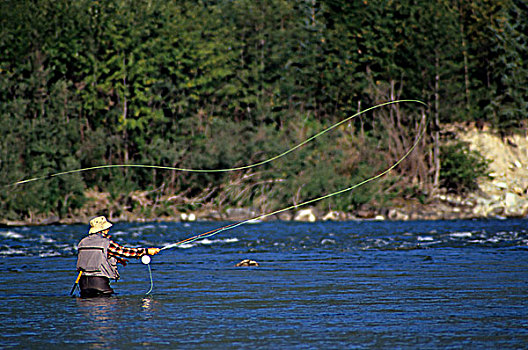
(244, 167)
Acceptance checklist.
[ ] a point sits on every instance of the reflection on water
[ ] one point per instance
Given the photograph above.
(102, 317)
(146, 303)
(323, 285)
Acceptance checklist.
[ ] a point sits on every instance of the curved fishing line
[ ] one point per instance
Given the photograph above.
(232, 226)
(151, 281)
(216, 170)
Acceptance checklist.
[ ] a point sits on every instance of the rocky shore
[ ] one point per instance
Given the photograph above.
(503, 195)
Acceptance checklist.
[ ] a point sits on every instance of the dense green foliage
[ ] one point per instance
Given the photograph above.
(216, 84)
(461, 167)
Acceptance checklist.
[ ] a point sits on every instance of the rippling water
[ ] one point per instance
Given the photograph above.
(422, 284)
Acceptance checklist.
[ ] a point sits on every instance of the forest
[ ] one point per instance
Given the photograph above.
(217, 84)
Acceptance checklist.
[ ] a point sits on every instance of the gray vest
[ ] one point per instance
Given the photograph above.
(93, 257)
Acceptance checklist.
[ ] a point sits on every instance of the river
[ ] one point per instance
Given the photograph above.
(325, 285)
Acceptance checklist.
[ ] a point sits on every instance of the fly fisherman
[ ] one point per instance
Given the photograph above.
(98, 257)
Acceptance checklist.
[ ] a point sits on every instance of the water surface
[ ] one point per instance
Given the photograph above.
(335, 285)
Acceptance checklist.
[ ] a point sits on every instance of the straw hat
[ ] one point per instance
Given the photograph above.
(99, 224)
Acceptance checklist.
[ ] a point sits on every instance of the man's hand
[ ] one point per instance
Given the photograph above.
(153, 251)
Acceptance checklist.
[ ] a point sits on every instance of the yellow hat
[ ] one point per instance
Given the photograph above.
(99, 224)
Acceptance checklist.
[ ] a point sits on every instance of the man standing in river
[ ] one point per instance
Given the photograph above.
(98, 257)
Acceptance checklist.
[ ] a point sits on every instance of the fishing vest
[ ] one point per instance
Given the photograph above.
(93, 257)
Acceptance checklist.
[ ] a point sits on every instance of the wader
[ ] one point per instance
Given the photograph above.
(95, 286)
(96, 266)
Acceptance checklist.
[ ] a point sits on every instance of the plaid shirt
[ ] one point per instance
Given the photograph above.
(118, 251)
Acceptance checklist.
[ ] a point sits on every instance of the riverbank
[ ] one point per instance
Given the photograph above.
(503, 195)
(447, 209)
(443, 207)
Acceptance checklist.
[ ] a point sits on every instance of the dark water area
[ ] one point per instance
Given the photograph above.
(331, 285)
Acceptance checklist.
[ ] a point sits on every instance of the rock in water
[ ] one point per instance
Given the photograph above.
(247, 262)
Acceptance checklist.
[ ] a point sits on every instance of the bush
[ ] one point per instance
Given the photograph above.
(461, 168)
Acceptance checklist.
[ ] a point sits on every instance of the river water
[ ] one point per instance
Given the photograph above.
(331, 285)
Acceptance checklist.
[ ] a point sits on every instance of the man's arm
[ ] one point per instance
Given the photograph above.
(117, 250)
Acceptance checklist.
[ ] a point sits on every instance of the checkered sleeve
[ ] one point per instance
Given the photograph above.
(117, 250)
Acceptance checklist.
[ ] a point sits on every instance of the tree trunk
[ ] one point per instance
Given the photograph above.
(466, 59)
(125, 112)
(436, 133)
